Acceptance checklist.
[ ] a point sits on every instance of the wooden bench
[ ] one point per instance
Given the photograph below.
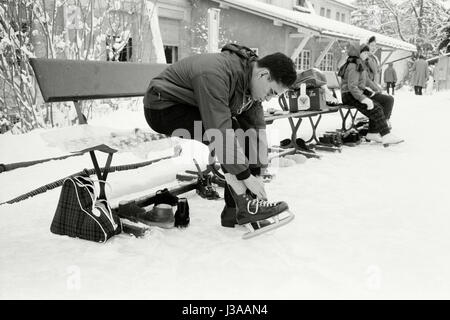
(314, 117)
(345, 111)
(76, 80)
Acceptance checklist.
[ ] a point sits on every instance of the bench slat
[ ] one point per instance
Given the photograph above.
(74, 80)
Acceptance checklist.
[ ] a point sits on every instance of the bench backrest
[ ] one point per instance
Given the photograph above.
(332, 79)
(74, 80)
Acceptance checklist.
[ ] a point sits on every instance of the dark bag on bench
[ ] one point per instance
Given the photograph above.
(313, 78)
(80, 214)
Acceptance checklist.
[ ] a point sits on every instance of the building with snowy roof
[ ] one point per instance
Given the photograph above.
(314, 33)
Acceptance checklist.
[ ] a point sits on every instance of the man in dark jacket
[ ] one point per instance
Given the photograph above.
(221, 93)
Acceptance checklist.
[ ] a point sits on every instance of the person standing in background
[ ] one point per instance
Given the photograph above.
(430, 83)
(420, 75)
(390, 78)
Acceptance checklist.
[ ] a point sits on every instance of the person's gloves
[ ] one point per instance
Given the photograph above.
(368, 103)
(256, 186)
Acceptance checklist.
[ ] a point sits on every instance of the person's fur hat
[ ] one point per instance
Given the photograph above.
(363, 47)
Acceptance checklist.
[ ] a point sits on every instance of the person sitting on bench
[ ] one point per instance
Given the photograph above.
(359, 91)
(223, 92)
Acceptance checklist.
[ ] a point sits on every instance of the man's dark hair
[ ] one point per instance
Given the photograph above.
(371, 39)
(281, 67)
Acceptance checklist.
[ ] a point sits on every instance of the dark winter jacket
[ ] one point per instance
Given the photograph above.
(420, 73)
(218, 84)
(354, 76)
(390, 75)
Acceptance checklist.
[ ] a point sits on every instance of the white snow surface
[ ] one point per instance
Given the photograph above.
(371, 223)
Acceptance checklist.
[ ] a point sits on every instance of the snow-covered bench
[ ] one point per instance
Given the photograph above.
(77, 80)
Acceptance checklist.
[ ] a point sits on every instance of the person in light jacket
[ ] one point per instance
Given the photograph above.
(420, 75)
(372, 62)
(358, 90)
(390, 78)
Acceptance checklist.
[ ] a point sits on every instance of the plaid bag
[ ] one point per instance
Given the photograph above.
(81, 214)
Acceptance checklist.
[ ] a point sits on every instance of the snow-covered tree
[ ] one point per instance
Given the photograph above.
(71, 29)
(444, 44)
(416, 21)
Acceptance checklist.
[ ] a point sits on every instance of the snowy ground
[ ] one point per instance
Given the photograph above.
(371, 222)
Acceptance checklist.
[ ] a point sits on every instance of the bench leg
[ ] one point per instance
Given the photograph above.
(295, 127)
(314, 126)
(345, 116)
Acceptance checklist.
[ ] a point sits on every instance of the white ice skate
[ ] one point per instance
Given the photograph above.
(390, 139)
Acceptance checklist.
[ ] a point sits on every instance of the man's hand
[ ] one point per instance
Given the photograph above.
(368, 103)
(256, 186)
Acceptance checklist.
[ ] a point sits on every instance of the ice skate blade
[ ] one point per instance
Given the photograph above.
(284, 218)
(391, 144)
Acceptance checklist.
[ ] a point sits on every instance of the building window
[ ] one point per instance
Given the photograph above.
(171, 53)
(338, 16)
(327, 63)
(301, 3)
(322, 12)
(303, 62)
(328, 13)
(343, 17)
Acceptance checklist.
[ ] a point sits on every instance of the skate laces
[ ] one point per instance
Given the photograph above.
(259, 203)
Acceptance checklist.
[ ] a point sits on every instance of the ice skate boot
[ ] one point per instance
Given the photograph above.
(390, 139)
(375, 137)
(228, 217)
(260, 216)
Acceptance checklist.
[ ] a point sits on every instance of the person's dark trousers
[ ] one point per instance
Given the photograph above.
(180, 116)
(377, 119)
(390, 85)
(386, 102)
(418, 90)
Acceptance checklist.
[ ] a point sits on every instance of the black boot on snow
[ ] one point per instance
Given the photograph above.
(182, 214)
